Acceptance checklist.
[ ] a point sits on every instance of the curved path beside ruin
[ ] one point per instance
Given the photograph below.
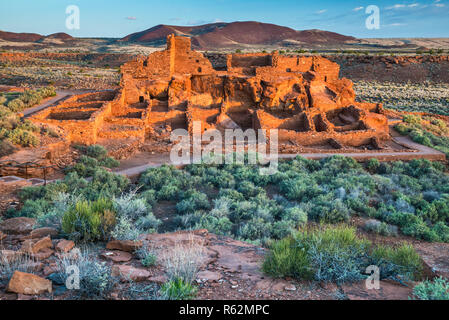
(60, 96)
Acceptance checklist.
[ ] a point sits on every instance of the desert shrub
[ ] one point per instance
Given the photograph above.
(148, 223)
(217, 225)
(296, 215)
(177, 289)
(94, 157)
(183, 261)
(23, 138)
(254, 229)
(16, 105)
(286, 259)
(125, 229)
(150, 197)
(96, 151)
(282, 229)
(231, 200)
(24, 263)
(95, 280)
(438, 289)
(147, 257)
(336, 254)
(381, 228)
(89, 221)
(404, 260)
(130, 206)
(193, 201)
(329, 210)
(35, 208)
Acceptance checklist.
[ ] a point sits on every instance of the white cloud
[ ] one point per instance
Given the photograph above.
(396, 6)
(321, 11)
(357, 9)
(440, 5)
(131, 18)
(396, 25)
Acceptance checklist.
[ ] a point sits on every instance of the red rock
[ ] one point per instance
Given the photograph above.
(48, 270)
(117, 256)
(129, 273)
(387, 291)
(29, 284)
(209, 275)
(43, 254)
(160, 279)
(124, 245)
(65, 246)
(2, 236)
(43, 232)
(19, 225)
(30, 246)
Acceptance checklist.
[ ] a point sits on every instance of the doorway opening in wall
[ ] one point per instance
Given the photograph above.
(141, 99)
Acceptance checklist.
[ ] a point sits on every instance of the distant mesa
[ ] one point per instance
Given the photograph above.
(33, 37)
(60, 36)
(235, 34)
(211, 36)
(20, 37)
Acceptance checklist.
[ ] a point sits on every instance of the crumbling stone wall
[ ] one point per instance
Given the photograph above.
(303, 97)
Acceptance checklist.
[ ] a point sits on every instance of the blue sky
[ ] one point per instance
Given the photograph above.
(114, 18)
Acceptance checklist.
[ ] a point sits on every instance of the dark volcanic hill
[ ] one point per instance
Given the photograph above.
(224, 35)
(60, 36)
(33, 37)
(20, 37)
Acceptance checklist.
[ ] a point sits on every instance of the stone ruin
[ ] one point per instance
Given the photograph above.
(302, 97)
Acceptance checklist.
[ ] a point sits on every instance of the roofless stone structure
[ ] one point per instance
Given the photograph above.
(301, 96)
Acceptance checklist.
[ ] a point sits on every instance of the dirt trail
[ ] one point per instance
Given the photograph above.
(60, 95)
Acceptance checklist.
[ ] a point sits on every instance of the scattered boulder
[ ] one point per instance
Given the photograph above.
(65, 246)
(159, 279)
(32, 247)
(117, 256)
(129, 273)
(43, 232)
(43, 254)
(207, 275)
(28, 284)
(124, 245)
(21, 225)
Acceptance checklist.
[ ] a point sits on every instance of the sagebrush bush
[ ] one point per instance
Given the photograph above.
(89, 221)
(95, 279)
(337, 254)
(438, 289)
(183, 261)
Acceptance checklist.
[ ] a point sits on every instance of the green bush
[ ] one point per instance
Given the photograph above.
(95, 279)
(23, 138)
(286, 259)
(89, 221)
(177, 289)
(336, 254)
(403, 260)
(437, 289)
